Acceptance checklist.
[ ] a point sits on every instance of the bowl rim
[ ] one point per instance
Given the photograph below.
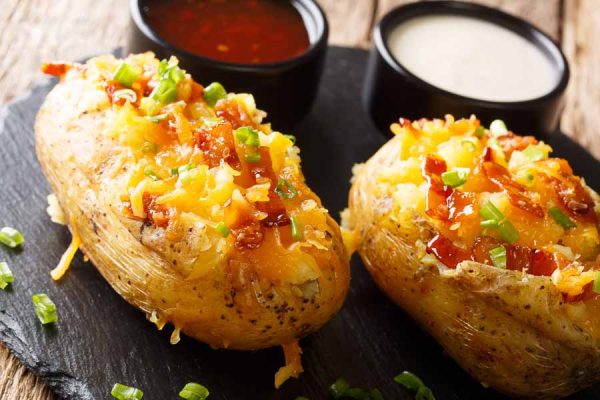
(316, 45)
(478, 11)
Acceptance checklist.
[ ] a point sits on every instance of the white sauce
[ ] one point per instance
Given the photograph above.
(473, 58)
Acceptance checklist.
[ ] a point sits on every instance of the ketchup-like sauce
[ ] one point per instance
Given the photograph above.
(235, 31)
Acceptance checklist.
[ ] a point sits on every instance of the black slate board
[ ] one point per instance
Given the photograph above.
(101, 340)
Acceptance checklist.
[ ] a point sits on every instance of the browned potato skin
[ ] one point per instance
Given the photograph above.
(228, 308)
(513, 334)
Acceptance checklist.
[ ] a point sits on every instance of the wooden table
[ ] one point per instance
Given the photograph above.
(35, 30)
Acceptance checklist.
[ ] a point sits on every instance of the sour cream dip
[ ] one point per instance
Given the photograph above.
(473, 58)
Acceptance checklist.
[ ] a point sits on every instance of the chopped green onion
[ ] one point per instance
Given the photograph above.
(479, 132)
(178, 170)
(11, 237)
(125, 74)
(156, 118)
(45, 309)
(498, 128)
(165, 92)
(252, 157)
(561, 218)
(534, 153)
(222, 229)
(149, 147)
(125, 94)
(6, 275)
(247, 136)
(292, 138)
(494, 145)
(122, 392)
(409, 380)
(194, 391)
(151, 174)
(596, 284)
(213, 93)
(456, 177)
(176, 74)
(498, 257)
(469, 145)
(150, 106)
(493, 218)
(285, 190)
(340, 389)
(412, 382)
(296, 231)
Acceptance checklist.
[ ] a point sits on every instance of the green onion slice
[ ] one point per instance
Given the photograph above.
(498, 128)
(45, 309)
(252, 157)
(213, 93)
(424, 393)
(469, 145)
(6, 275)
(456, 177)
(178, 170)
(494, 145)
(285, 190)
(125, 94)
(150, 106)
(493, 218)
(498, 257)
(247, 136)
(125, 74)
(561, 218)
(292, 138)
(165, 92)
(151, 174)
(409, 380)
(222, 229)
(596, 284)
(194, 391)
(534, 153)
(479, 132)
(11, 237)
(340, 389)
(296, 231)
(122, 392)
(157, 118)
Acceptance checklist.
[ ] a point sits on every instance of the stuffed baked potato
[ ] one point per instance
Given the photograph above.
(194, 210)
(491, 245)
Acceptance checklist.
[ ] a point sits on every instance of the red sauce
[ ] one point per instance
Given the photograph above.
(235, 31)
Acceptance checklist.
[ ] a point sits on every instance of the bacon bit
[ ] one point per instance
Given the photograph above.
(437, 192)
(512, 142)
(446, 251)
(573, 196)
(156, 214)
(249, 235)
(234, 112)
(55, 69)
(217, 144)
(481, 249)
(461, 205)
(542, 263)
(514, 190)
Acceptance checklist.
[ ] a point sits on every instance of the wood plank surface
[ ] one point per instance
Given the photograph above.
(32, 31)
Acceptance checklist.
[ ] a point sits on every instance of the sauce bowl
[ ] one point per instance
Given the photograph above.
(390, 90)
(285, 89)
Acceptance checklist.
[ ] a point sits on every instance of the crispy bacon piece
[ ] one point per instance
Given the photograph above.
(55, 69)
(515, 191)
(156, 214)
(437, 193)
(573, 195)
(232, 111)
(512, 142)
(249, 235)
(446, 251)
(218, 145)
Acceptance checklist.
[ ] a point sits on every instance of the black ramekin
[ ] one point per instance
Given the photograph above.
(285, 89)
(391, 91)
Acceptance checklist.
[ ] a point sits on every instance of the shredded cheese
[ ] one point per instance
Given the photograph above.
(67, 257)
(293, 363)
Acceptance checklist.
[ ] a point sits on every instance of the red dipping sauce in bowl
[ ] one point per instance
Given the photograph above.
(234, 31)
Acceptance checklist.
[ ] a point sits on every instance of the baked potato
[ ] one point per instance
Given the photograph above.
(490, 245)
(192, 208)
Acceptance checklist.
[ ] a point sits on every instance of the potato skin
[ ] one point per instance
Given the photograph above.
(229, 307)
(509, 330)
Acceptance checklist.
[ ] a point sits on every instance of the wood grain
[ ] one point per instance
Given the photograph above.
(32, 31)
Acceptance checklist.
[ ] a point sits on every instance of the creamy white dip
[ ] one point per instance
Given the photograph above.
(473, 58)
